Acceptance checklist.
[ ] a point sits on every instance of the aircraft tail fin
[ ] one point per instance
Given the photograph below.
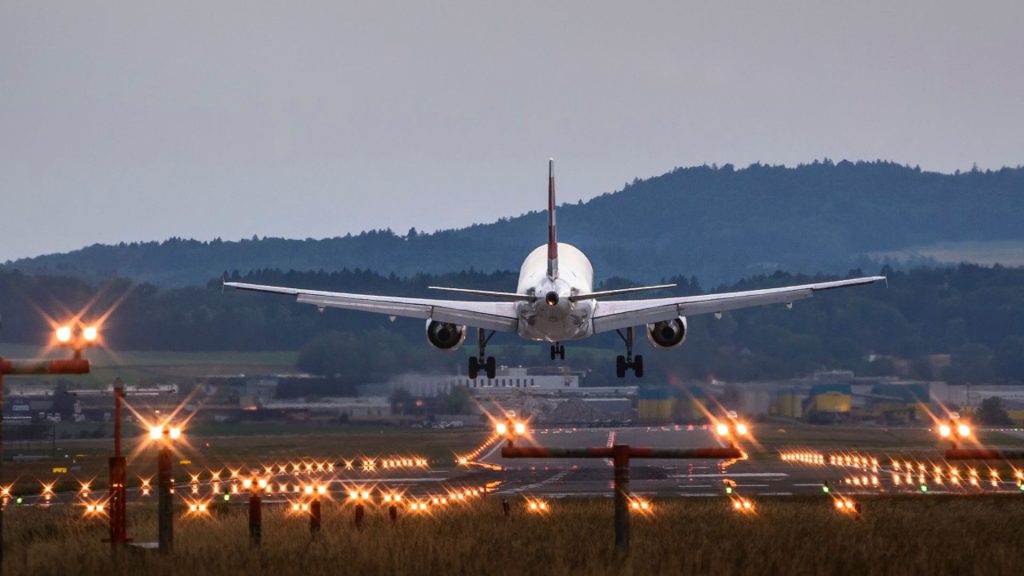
(552, 230)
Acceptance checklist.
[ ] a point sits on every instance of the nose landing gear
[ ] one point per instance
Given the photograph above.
(479, 362)
(628, 362)
(557, 350)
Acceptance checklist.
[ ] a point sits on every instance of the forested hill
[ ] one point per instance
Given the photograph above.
(716, 223)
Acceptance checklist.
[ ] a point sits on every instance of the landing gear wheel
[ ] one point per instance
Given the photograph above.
(480, 362)
(553, 353)
(623, 363)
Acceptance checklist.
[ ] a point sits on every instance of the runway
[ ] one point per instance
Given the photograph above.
(557, 477)
(764, 474)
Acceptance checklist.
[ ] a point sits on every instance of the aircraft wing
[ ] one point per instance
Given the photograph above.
(499, 316)
(614, 315)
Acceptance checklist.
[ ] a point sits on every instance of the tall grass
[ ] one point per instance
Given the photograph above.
(909, 535)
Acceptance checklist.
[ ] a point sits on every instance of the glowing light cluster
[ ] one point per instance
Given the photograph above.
(641, 505)
(734, 428)
(742, 505)
(863, 480)
(962, 429)
(357, 494)
(803, 457)
(845, 506)
(87, 335)
(536, 506)
(510, 428)
(861, 461)
(392, 463)
(158, 432)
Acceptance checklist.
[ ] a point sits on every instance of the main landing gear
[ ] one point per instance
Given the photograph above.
(477, 362)
(557, 351)
(627, 362)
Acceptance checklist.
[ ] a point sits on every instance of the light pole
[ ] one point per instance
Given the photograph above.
(165, 435)
(64, 336)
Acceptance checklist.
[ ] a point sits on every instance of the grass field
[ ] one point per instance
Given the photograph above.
(147, 367)
(771, 437)
(910, 535)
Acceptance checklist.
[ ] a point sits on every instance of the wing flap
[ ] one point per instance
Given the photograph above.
(624, 314)
(500, 316)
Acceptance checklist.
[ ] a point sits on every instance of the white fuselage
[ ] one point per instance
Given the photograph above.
(564, 320)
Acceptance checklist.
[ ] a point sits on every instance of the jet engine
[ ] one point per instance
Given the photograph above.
(445, 336)
(667, 333)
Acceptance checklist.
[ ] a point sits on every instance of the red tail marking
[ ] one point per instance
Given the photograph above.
(552, 228)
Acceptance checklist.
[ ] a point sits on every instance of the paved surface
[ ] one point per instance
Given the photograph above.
(766, 475)
(648, 477)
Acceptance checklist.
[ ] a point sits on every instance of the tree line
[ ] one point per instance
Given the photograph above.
(973, 314)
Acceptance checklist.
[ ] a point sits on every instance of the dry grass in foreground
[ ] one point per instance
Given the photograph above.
(909, 535)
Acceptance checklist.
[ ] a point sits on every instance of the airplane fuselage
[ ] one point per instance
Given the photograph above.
(552, 316)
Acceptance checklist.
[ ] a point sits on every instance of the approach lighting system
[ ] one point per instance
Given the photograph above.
(640, 505)
(743, 505)
(510, 429)
(732, 428)
(76, 336)
(163, 432)
(537, 506)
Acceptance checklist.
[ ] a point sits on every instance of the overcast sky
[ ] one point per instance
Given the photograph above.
(144, 120)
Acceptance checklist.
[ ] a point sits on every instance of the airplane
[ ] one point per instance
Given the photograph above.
(555, 302)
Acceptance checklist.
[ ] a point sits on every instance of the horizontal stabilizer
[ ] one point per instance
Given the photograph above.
(488, 293)
(605, 293)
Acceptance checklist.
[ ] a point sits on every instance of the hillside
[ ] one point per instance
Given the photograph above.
(718, 224)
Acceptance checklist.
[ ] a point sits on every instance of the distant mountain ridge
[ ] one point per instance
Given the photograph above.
(716, 223)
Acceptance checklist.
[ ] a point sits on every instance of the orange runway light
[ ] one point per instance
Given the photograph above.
(742, 505)
(537, 506)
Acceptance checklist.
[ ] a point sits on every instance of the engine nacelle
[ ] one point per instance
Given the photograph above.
(445, 336)
(667, 333)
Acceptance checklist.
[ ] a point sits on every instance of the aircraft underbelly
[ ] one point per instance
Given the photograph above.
(554, 330)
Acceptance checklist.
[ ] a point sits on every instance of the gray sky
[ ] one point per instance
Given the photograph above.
(144, 120)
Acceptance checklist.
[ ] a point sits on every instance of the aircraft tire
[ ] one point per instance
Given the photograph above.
(638, 366)
(620, 366)
(474, 368)
(492, 367)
